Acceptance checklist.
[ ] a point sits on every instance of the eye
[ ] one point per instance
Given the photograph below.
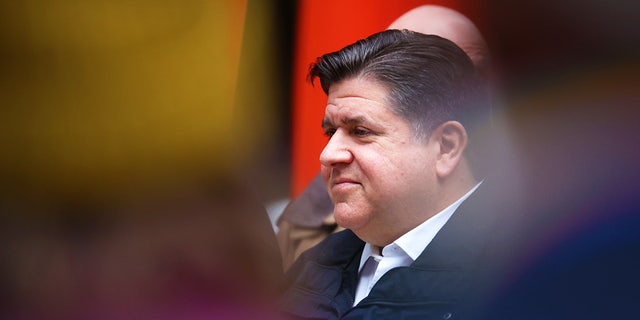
(361, 132)
(329, 132)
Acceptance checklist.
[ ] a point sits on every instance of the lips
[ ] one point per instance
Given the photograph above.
(336, 181)
(343, 183)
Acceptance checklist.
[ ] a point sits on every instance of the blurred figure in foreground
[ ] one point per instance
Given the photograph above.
(121, 142)
(571, 87)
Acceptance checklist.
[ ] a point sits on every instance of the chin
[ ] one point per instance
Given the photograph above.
(349, 218)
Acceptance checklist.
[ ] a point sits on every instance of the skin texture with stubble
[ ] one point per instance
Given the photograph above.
(379, 175)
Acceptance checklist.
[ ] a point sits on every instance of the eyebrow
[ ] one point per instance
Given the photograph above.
(326, 123)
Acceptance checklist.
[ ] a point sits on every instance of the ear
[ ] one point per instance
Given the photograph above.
(451, 138)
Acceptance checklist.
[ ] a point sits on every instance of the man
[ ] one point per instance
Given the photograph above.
(401, 167)
(449, 24)
(308, 219)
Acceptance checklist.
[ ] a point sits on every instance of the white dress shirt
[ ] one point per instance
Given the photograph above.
(403, 251)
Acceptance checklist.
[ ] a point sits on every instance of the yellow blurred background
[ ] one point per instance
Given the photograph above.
(103, 98)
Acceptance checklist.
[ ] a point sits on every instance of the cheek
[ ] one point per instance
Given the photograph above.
(420, 172)
(394, 172)
(381, 165)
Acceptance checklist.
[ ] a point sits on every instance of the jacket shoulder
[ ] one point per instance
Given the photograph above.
(318, 283)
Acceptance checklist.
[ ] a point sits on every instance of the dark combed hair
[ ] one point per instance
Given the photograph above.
(429, 78)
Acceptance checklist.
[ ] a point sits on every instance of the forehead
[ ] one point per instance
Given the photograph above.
(357, 98)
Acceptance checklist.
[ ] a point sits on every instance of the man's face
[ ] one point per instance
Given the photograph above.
(380, 177)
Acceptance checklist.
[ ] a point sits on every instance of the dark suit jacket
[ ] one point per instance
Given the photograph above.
(453, 277)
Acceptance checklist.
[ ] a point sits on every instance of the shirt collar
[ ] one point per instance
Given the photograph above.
(413, 243)
(417, 239)
(369, 251)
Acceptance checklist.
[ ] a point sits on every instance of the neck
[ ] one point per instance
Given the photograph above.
(450, 190)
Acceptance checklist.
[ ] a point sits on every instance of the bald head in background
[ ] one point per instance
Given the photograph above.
(449, 24)
(308, 219)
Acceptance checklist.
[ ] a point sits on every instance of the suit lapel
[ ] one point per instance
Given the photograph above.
(442, 271)
(462, 238)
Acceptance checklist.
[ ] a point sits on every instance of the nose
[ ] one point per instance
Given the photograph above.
(336, 151)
